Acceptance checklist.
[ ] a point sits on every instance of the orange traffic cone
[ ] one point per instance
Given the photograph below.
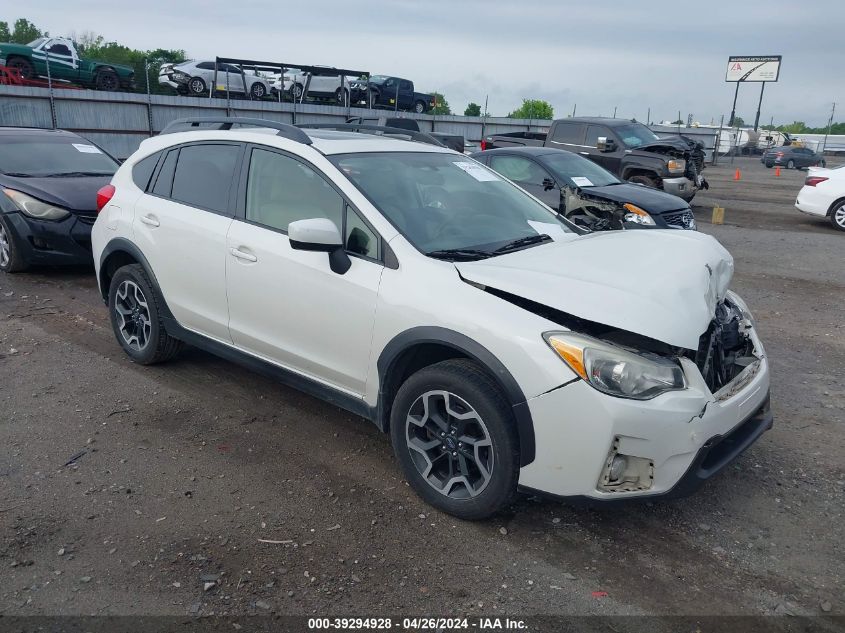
(737, 175)
(777, 172)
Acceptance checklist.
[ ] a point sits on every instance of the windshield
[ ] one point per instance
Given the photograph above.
(575, 171)
(34, 158)
(378, 79)
(445, 202)
(636, 134)
(35, 43)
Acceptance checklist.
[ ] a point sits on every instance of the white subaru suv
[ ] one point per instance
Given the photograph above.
(499, 346)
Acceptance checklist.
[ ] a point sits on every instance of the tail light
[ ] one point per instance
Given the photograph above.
(812, 181)
(104, 195)
(483, 145)
(779, 154)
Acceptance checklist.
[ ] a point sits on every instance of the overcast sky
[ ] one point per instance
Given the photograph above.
(667, 56)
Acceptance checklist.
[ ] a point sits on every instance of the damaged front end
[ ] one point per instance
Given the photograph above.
(682, 148)
(596, 213)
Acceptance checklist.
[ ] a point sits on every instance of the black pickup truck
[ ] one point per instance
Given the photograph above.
(394, 93)
(625, 148)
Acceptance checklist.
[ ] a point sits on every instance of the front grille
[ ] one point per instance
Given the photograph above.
(723, 350)
(681, 219)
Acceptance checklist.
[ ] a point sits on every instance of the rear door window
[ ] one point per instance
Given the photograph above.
(204, 175)
(520, 170)
(568, 133)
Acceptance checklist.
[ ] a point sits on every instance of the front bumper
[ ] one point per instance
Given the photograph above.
(63, 243)
(682, 187)
(685, 436)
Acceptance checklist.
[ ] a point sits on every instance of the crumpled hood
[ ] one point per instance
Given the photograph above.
(661, 284)
(652, 200)
(78, 194)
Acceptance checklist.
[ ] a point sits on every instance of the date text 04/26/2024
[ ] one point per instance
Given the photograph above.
(416, 624)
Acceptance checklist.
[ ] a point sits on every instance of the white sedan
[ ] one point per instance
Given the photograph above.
(823, 194)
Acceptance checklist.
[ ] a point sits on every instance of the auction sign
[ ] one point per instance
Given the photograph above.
(764, 68)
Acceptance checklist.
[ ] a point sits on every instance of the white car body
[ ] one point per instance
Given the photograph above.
(225, 280)
(324, 86)
(229, 77)
(825, 198)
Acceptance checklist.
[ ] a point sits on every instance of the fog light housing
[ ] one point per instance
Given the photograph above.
(625, 473)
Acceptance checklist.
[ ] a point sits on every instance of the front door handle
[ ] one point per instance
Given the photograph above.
(249, 257)
(584, 153)
(149, 219)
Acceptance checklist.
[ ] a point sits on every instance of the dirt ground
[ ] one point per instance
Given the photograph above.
(199, 487)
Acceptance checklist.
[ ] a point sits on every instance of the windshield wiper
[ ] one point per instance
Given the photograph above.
(523, 241)
(78, 174)
(459, 254)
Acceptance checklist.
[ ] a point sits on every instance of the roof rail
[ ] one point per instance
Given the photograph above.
(420, 137)
(226, 123)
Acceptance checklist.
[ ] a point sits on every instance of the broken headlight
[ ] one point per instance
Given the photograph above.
(616, 371)
(636, 215)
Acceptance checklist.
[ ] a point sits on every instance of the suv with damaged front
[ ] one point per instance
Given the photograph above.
(627, 149)
(500, 346)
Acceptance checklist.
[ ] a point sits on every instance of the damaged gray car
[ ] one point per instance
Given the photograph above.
(586, 194)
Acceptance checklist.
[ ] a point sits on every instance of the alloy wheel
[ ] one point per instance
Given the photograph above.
(133, 315)
(5, 247)
(839, 216)
(449, 444)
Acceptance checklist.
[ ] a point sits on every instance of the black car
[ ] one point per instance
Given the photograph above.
(49, 180)
(585, 193)
(792, 157)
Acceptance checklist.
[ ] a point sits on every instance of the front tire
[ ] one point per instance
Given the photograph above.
(837, 215)
(107, 80)
(11, 259)
(196, 86)
(454, 435)
(790, 164)
(419, 107)
(134, 308)
(296, 92)
(23, 66)
(258, 90)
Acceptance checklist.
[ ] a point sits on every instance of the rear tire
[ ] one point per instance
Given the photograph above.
(419, 107)
(11, 259)
(134, 308)
(258, 90)
(645, 179)
(837, 215)
(790, 164)
(24, 67)
(454, 435)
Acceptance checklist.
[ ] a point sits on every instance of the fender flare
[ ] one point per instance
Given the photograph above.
(476, 352)
(121, 244)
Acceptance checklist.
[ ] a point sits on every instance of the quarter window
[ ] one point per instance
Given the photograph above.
(204, 175)
(164, 181)
(281, 190)
(360, 238)
(143, 170)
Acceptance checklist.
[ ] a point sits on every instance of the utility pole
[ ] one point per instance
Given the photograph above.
(573, 109)
(829, 123)
(648, 117)
(614, 111)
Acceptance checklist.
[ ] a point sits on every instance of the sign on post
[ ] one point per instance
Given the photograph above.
(763, 68)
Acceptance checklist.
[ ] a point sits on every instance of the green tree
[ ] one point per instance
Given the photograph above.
(796, 127)
(5, 35)
(473, 109)
(24, 32)
(533, 109)
(441, 106)
(739, 121)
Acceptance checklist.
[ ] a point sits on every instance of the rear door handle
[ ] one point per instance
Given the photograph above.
(148, 219)
(249, 257)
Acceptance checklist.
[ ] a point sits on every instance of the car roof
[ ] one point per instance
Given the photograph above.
(326, 141)
(527, 150)
(603, 120)
(36, 132)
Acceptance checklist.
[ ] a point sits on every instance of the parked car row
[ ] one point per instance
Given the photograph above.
(501, 345)
(381, 91)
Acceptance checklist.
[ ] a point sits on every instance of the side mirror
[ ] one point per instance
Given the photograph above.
(604, 144)
(322, 235)
(548, 184)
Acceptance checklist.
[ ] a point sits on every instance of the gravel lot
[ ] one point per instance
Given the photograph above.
(200, 487)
